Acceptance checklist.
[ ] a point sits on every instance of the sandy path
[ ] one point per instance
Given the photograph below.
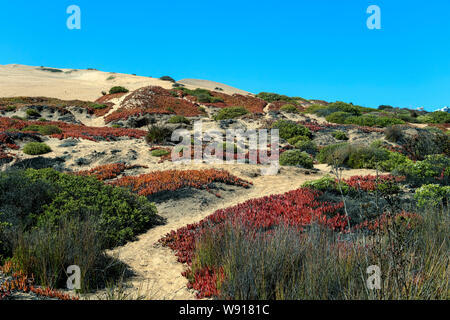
(159, 273)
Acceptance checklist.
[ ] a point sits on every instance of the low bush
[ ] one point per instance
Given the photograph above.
(435, 117)
(158, 135)
(160, 153)
(118, 89)
(340, 135)
(432, 195)
(294, 140)
(296, 158)
(46, 130)
(32, 113)
(353, 156)
(167, 78)
(36, 148)
(393, 133)
(179, 119)
(290, 129)
(338, 117)
(230, 113)
(289, 108)
(433, 169)
(307, 146)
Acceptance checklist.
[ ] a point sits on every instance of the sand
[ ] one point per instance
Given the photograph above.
(74, 84)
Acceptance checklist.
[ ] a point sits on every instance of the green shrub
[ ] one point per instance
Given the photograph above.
(289, 108)
(340, 135)
(314, 108)
(338, 117)
(394, 160)
(296, 158)
(10, 108)
(290, 129)
(372, 120)
(435, 117)
(97, 106)
(179, 119)
(32, 113)
(307, 146)
(393, 133)
(327, 183)
(158, 134)
(294, 140)
(167, 78)
(160, 153)
(433, 169)
(353, 156)
(230, 113)
(345, 107)
(272, 97)
(120, 215)
(47, 251)
(432, 195)
(36, 148)
(118, 89)
(44, 130)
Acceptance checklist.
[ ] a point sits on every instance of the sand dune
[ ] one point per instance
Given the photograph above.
(75, 84)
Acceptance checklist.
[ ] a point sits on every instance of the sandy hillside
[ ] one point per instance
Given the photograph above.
(212, 85)
(74, 84)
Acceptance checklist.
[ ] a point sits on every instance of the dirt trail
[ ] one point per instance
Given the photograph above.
(158, 272)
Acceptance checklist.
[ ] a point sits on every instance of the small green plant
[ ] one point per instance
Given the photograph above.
(289, 108)
(230, 113)
(32, 113)
(340, 135)
(296, 158)
(118, 89)
(157, 134)
(179, 119)
(160, 153)
(44, 130)
(167, 78)
(294, 140)
(290, 129)
(432, 195)
(97, 106)
(36, 148)
(10, 108)
(307, 146)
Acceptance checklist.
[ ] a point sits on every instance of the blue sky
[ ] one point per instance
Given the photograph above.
(311, 48)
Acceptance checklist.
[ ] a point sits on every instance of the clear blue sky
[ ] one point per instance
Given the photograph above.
(311, 48)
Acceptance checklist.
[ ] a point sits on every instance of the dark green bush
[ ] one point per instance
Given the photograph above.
(32, 113)
(290, 129)
(230, 113)
(433, 169)
(340, 135)
(353, 156)
(296, 139)
(36, 148)
(118, 89)
(46, 130)
(393, 133)
(158, 135)
(296, 158)
(167, 78)
(290, 108)
(307, 146)
(160, 153)
(179, 119)
(121, 215)
(338, 117)
(435, 117)
(97, 106)
(272, 97)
